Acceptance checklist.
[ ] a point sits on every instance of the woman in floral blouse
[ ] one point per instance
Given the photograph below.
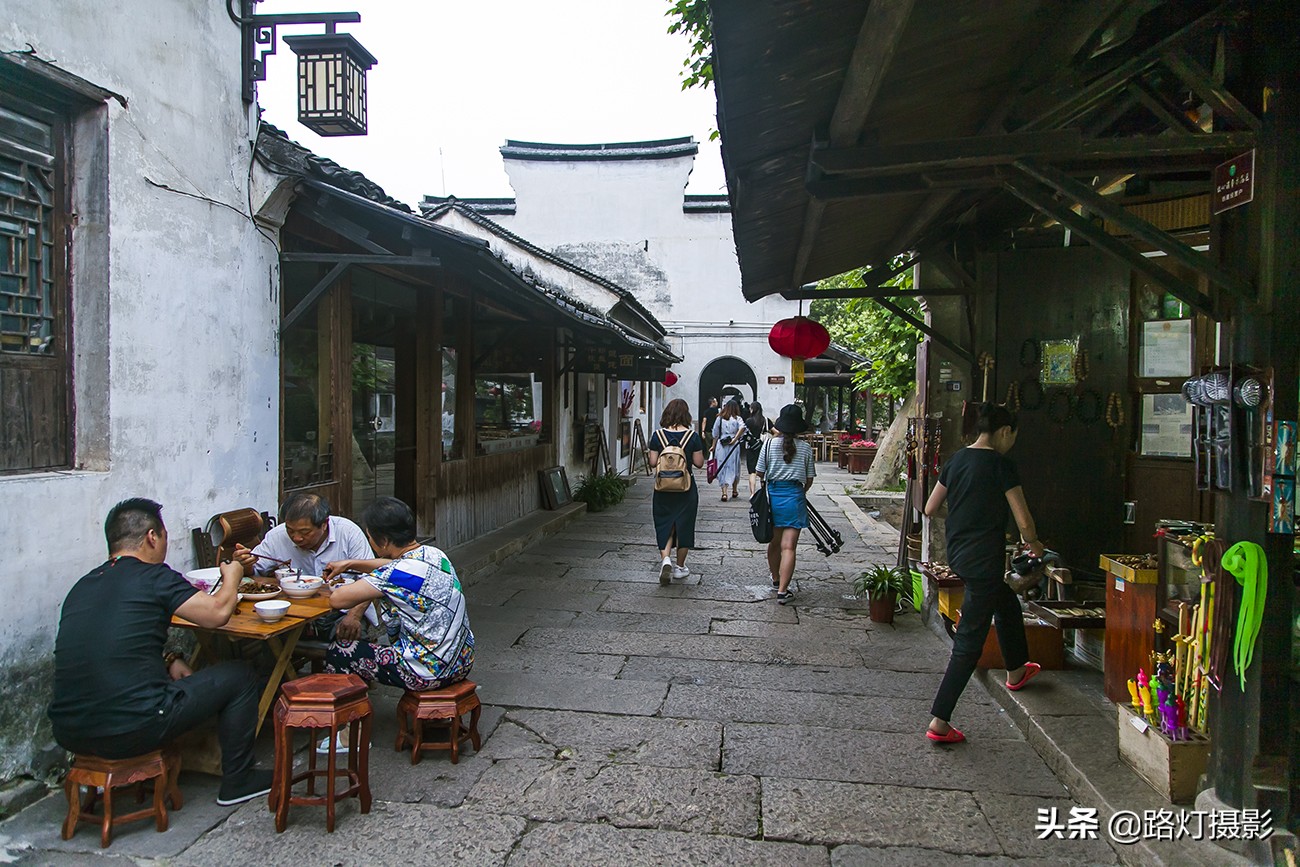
(420, 600)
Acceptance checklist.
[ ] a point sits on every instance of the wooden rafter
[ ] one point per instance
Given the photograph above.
(1218, 97)
(925, 329)
(1136, 226)
(878, 38)
(1042, 201)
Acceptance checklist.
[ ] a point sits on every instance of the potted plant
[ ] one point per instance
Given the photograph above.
(882, 584)
(861, 454)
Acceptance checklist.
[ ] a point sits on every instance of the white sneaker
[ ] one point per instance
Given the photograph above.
(680, 572)
(340, 745)
(666, 572)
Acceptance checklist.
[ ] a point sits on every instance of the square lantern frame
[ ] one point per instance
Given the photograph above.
(331, 83)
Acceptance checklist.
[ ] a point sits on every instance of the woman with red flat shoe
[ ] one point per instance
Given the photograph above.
(982, 489)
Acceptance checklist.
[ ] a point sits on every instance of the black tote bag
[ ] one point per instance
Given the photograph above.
(760, 515)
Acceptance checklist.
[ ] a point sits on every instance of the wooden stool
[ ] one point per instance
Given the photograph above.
(161, 766)
(447, 706)
(321, 702)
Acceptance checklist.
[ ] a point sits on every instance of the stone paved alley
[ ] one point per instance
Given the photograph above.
(627, 723)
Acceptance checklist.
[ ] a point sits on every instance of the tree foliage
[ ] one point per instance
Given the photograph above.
(691, 18)
(869, 329)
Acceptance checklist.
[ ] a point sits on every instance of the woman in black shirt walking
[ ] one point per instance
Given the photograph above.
(982, 489)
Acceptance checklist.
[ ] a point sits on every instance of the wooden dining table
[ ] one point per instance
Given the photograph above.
(281, 638)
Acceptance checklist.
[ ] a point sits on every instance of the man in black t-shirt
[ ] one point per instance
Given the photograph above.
(115, 695)
(706, 423)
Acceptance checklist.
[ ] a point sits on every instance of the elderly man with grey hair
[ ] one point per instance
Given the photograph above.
(309, 537)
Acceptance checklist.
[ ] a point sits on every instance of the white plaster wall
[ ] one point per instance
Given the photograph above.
(624, 220)
(192, 311)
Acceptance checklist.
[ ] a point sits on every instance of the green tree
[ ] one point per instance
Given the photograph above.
(869, 329)
(691, 18)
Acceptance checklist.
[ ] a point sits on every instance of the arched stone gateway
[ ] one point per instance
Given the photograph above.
(725, 377)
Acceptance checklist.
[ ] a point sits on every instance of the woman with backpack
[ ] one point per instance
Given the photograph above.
(726, 447)
(757, 428)
(674, 449)
(785, 466)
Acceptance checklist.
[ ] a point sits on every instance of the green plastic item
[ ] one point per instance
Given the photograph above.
(1247, 562)
(918, 588)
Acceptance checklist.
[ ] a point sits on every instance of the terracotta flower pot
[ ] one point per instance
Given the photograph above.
(882, 610)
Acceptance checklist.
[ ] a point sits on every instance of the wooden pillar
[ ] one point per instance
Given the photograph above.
(336, 363)
(428, 407)
(1252, 764)
(853, 410)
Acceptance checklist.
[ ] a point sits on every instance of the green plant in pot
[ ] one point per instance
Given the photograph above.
(882, 584)
(601, 492)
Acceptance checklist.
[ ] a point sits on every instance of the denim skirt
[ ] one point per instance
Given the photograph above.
(789, 504)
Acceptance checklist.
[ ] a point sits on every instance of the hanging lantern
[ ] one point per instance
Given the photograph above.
(670, 379)
(331, 83)
(798, 338)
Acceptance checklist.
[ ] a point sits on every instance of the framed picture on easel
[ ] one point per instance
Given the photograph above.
(555, 487)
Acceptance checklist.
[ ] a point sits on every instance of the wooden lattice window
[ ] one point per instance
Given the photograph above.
(34, 406)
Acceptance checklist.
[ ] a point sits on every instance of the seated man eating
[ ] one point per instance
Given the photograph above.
(308, 537)
(115, 695)
(421, 602)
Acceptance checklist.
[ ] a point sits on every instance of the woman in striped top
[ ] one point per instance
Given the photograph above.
(786, 467)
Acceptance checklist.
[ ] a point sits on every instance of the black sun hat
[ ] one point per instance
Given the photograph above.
(791, 420)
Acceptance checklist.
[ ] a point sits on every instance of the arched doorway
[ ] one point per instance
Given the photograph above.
(723, 378)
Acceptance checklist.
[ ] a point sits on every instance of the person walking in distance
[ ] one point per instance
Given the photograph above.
(706, 423)
(786, 467)
(982, 489)
(676, 499)
(757, 428)
(726, 447)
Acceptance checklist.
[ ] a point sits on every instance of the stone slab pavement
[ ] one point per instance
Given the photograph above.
(632, 724)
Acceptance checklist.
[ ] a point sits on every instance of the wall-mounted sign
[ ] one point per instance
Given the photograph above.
(1234, 183)
(776, 380)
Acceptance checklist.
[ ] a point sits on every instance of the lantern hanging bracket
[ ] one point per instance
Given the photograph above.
(259, 35)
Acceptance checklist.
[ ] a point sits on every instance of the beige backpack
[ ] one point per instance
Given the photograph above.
(672, 473)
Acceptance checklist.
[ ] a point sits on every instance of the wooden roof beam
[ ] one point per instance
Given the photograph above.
(1137, 227)
(1218, 97)
(802, 294)
(1041, 200)
(878, 38)
(1084, 97)
(926, 329)
(873, 278)
(1057, 146)
(1170, 115)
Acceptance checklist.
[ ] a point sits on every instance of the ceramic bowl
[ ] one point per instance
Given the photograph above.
(302, 586)
(271, 610)
(204, 579)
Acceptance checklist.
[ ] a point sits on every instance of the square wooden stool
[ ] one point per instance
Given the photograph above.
(444, 706)
(321, 702)
(161, 766)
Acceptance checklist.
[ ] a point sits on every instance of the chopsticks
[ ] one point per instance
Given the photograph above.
(272, 559)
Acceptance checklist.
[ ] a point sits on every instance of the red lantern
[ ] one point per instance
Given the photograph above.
(670, 378)
(798, 338)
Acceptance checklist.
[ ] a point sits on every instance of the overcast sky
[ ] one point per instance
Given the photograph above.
(456, 78)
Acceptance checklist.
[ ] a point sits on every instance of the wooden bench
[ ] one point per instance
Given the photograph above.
(96, 774)
(443, 706)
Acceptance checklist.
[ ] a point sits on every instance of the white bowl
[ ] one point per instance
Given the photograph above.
(204, 579)
(271, 610)
(302, 586)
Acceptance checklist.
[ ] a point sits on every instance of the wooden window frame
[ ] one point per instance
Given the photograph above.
(46, 105)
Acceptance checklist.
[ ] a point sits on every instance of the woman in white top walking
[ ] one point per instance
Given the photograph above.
(786, 467)
(726, 446)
